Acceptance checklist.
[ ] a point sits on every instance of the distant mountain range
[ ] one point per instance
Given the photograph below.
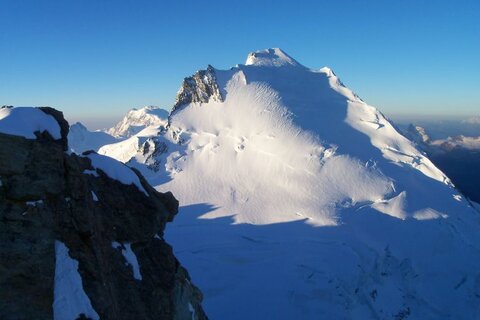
(457, 156)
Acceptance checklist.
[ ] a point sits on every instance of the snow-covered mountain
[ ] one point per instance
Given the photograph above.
(417, 134)
(80, 139)
(457, 156)
(299, 200)
(470, 143)
(143, 147)
(138, 119)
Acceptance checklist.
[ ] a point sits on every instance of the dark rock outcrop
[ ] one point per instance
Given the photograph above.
(45, 196)
(201, 87)
(152, 149)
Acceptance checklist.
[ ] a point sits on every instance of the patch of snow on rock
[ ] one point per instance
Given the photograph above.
(25, 121)
(70, 300)
(192, 310)
(115, 170)
(130, 257)
(34, 203)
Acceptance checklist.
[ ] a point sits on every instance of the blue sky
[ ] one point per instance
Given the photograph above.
(96, 59)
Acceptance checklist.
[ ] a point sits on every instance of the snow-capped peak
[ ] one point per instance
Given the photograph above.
(272, 160)
(417, 134)
(273, 57)
(80, 139)
(138, 119)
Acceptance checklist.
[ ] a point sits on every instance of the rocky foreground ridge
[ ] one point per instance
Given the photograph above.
(51, 200)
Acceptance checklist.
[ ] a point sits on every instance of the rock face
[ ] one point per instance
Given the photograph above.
(46, 196)
(417, 134)
(201, 87)
(151, 149)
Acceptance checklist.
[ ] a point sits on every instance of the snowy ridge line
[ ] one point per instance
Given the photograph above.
(130, 257)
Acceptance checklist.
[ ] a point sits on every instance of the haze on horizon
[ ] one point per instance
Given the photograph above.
(95, 60)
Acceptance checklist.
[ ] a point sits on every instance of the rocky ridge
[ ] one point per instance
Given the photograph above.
(201, 87)
(50, 198)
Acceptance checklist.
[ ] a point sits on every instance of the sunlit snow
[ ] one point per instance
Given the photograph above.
(302, 201)
(115, 170)
(25, 121)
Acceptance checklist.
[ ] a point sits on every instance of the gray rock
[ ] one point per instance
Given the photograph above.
(34, 170)
(201, 87)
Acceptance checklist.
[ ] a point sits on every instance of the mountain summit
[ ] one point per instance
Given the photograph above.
(304, 201)
(275, 57)
(138, 119)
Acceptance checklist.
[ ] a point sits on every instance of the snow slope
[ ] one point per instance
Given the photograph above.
(299, 200)
(127, 148)
(80, 139)
(114, 170)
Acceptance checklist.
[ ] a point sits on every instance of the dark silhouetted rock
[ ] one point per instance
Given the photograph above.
(46, 196)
